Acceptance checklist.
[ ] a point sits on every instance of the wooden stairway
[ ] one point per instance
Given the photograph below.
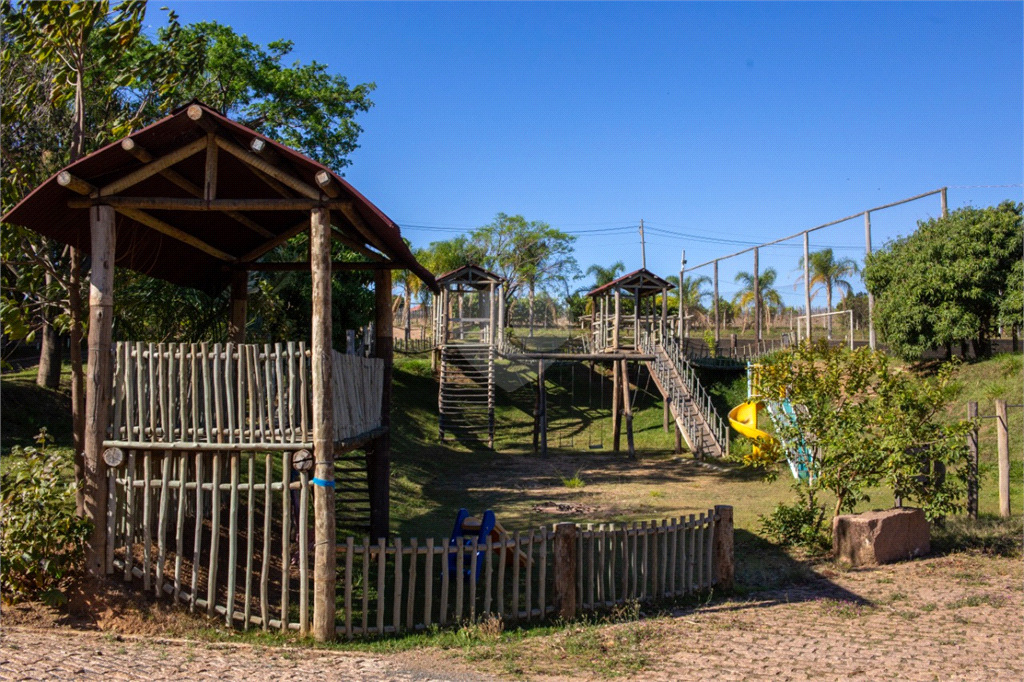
(703, 429)
(466, 391)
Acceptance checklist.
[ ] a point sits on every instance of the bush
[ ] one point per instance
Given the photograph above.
(798, 524)
(42, 541)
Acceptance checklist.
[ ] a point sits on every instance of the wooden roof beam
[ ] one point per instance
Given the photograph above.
(154, 167)
(327, 184)
(259, 146)
(133, 148)
(276, 241)
(264, 167)
(185, 204)
(65, 179)
(361, 227)
(340, 237)
(299, 266)
(173, 232)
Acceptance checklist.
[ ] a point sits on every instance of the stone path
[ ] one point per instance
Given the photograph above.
(38, 655)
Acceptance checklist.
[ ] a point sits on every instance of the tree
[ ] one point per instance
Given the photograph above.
(869, 424)
(604, 275)
(828, 273)
(1011, 307)
(690, 295)
(301, 105)
(944, 283)
(84, 50)
(531, 254)
(748, 298)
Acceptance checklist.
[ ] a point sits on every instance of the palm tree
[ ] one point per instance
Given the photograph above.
(828, 273)
(747, 297)
(603, 275)
(690, 295)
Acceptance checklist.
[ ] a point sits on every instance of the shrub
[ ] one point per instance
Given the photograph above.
(798, 524)
(42, 541)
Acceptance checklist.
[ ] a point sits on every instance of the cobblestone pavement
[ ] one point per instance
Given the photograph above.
(946, 618)
(43, 655)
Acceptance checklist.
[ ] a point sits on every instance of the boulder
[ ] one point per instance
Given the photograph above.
(880, 537)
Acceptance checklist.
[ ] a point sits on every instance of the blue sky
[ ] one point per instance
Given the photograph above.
(720, 124)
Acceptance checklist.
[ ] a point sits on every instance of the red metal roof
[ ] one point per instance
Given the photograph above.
(643, 280)
(143, 249)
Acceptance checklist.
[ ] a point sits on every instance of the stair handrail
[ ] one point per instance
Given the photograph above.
(700, 397)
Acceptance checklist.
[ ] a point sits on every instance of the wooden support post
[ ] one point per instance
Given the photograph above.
(683, 324)
(565, 566)
(636, 319)
(616, 406)
(718, 327)
(722, 548)
(379, 454)
(679, 440)
(618, 318)
(942, 203)
(492, 331)
(664, 315)
(99, 381)
(972, 463)
(239, 303)
(871, 298)
(325, 553)
(757, 301)
(628, 409)
(1003, 445)
(807, 287)
(540, 424)
(666, 413)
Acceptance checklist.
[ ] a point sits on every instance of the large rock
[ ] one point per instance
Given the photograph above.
(880, 537)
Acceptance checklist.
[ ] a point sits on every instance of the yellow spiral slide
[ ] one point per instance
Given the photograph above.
(743, 418)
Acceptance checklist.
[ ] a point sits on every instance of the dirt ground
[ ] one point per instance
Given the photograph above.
(956, 617)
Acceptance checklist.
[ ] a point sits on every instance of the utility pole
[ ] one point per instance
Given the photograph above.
(643, 246)
(871, 297)
(683, 322)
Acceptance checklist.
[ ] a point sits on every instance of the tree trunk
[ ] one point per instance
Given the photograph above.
(828, 309)
(48, 375)
(77, 376)
(531, 309)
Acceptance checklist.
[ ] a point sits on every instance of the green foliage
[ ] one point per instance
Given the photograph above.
(945, 283)
(798, 524)
(42, 541)
(869, 424)
(1011, 306)
(709, 341)
(300, 105)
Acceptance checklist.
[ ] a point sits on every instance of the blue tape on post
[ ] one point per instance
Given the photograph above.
(321, 482)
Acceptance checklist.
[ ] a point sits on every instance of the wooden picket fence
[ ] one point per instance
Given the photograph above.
(169, 530)
(251, 396)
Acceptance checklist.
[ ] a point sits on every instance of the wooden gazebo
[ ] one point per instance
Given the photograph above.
(610, 331)
(173, 431)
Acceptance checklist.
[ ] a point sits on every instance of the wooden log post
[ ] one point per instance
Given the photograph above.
(722, 548)
(618, 318)
(666, 413)
(972, 463)
(757, 302)
(1003, 445)
(565, 561)
(628, 410)
(239, 304)
(325, 553)
(616, 406)
(99, 382)
(379, 454)
(679, 440)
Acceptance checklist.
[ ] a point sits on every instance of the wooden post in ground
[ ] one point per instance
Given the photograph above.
(628, 410)
(718, 327)
(536, 407)
(99, 382)
(618, 318)
(542, 409)
(379, 454)
(807, 288)
(757, 302)
(972, 463)
(679, 440)
(565, 567)
(239, 303)
(616, 406)
(664, 315)
(666, 414)
(325, 552)
(1003, 444)
(722, 548)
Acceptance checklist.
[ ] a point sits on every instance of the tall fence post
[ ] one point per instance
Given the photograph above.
(972, 464)
(722, 548)
(565, 570)
(1003, 443)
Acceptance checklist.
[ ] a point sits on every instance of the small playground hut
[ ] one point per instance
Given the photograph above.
(469, 323)
(181, 435)
(610, 330)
